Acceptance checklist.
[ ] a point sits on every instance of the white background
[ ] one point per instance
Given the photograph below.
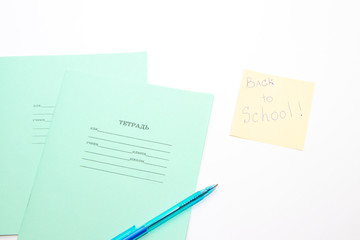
(265, 191)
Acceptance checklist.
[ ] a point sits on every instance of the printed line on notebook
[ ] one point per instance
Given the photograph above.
(147, 179)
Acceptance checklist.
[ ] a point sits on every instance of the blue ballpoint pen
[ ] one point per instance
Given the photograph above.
(135, 233)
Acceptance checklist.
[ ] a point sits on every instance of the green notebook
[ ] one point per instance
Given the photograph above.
(29, 88)
(116, 155)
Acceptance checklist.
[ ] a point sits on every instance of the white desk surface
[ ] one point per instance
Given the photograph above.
(265, 191)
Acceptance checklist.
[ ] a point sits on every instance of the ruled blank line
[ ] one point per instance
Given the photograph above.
(154, 165)
(114, 149)
(116, 165)
(157, 157)
(147, 179)
(140, 139)
(129, 144)
(107, 156)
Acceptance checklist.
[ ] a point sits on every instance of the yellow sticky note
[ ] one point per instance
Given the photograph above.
(272, 109)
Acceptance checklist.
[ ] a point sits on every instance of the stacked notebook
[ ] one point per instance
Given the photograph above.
(88, 148)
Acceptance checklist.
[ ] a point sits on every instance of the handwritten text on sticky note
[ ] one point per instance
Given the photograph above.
(272, 109)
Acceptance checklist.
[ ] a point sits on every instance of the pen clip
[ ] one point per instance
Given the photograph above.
(125, 233)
